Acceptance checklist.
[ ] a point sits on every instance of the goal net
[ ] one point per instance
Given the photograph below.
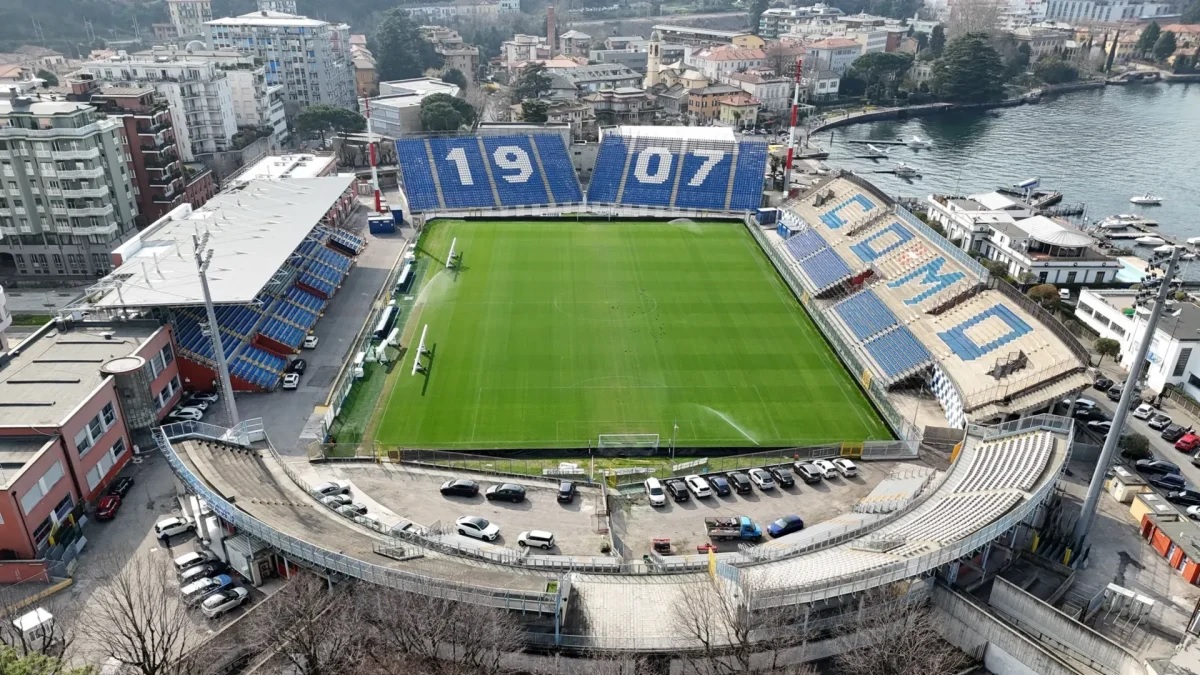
(628, 444)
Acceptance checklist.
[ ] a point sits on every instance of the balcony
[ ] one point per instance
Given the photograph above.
(154, 129)
(162, 161)
(85, 193)
(166, 178)
(92, 153)
(156, 143)
(97, 172)
(85, 212)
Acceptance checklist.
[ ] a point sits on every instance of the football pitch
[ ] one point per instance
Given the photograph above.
(551, 333)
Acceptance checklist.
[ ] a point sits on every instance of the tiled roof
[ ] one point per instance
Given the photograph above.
(834, 43)
(729, 53)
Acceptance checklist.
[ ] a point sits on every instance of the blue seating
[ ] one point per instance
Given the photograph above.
(826, 269)
(804, 244)
(882, 242)
(349, 241)
(316, 283)
(701, 190)
(865, 314)
(474, 172)
(283, 333)
(749, 174)
(305, 299)
(650, 179)
(928, 276)
(609, 171)
(898, 352)
(833, 218)
(967, 349)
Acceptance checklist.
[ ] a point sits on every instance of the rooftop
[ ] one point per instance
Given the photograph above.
(17, 451)
(729, 53)
(299, 165)
(699, 31)
(126, 91)
(1053, 233)
(46, 377)
(995, 201)
(252, 230)
(417, 86)
(265, 18)
(575, 35)
(834, 43)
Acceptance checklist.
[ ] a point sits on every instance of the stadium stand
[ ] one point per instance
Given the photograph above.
(899, 353)
(678, 173)
(865, 314)
(824, 268)
(475, 172)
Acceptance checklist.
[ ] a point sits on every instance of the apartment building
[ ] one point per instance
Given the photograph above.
(197, 91)
(188, 16)
(454, 52)
(67, 195)
(311, 59)
(772, 92)
(593, 78)
(1106, 11)
(67, 429)
(704, 104)
(396, 112)
(777, 21)
(836, 54)
(716, 62)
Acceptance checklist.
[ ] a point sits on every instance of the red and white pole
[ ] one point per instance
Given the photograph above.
(374, 161)
(794, 122)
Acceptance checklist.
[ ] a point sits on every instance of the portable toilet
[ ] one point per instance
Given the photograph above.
(381, 223)
(397, 215)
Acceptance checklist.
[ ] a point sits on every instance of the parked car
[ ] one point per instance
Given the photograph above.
(536, 539)
(566, 491)
(698, 486)
(719, 485)
(1167, 481)
(310, 341)
(1159, 421)
(1102, 384)
(739, 481)
(194, 558)
(222, 601)
(297, 366)
(782, 477)
(460, 488)
(1144, 411)
(785, 525)
(334, 501)
(1193, 512)
(185, 415)
(1099, 427)
(331, 488)
(1114, 394)
(655, 492)
(352, 509)
(826, 467)
(121, 486)
(169, 527)
(677, 489)
(206, 396)
(478, 528)
(108, 506)
(807, 472)
(509, 492)
(1185, 497)
(762, 478)
(845, 467)
(201, 588)
(202, 406)
(197, 572)
(1188, 443)
(1172, 432)
(1079, 403)
(291, 381)
(1155, 466)
(1091, 415)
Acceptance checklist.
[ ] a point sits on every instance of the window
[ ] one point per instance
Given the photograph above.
(118, 448)
(168, 354)
(156, 365)
(83, 441)
(39, 490)
(1181, 364)
(110, 415)
(1070, 277)
(1099, 277)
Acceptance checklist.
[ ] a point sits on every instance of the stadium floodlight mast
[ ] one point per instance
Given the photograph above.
(1087, 514)
(203, 260)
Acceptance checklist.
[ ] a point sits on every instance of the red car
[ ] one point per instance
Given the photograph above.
(107, 509)
(1188, 443)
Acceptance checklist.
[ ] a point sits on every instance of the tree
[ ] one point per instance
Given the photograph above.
(456, 77)
(894, 632)
(757, 7)
(443, 112)
(50, 78)
(531, 82)
(399, 51)
(970, 70)
(1148, 38)
(780, 59)
(1164, 46)
(937, 40)
(1106, 347)
(323, 117)
(1134, 446)
(1045, 295)
(319, 631)
(1191, 14)
(1054, 70)
(534, 111)
(1020, 60)
(973, 16)
(882, 71)
(14, 663)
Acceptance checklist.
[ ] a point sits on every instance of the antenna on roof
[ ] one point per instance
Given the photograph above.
(145, 274)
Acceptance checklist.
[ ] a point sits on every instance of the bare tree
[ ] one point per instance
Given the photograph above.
(892, 632)
(25, 628)
(317, 630)
(780, 58)
(973, 16)
(731, 638)
(139, 620)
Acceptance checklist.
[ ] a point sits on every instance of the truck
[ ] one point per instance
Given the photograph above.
(739, 527)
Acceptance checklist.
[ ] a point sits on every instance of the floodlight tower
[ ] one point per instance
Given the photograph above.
(374, 160)
(791, 151)
(203, 259)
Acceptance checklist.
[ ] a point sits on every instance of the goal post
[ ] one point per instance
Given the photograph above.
(630, 444)
(450, 258)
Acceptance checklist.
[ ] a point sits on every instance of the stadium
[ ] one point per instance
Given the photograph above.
(665, 308)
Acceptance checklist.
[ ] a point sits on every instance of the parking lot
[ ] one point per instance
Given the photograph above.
(413, 494)
(683, 522)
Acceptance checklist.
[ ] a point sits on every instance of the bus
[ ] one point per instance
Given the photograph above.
(386, 321)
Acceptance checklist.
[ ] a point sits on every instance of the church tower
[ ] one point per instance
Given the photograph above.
(653, 62)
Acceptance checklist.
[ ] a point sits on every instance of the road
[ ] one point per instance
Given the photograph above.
(1162, 449)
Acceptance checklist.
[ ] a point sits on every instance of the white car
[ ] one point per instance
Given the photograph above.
(218, 603)
(1080, 403)
(202, 406)
(169, 527)
(478, 528)
(698, 486)
(206, 396)
(1193, 512)
(826, 467)
(536, 539)
(310, 341)
(845, 467)
(194, 558)
(655, 492)
(762, 478)
(1144, 411)
(291, 381)
(330, 488)
(186, 415)
(334, 501)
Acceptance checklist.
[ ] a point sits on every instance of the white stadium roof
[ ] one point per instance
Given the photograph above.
(682, 133)
(252, 230)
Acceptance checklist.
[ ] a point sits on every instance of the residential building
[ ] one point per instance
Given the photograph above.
(1174, 354)
(782, 56)
(716, 62)
(593, 78)
(454, 52)
(1187, 35)
(522, 49)
(836, 54)
(189, 16)
(199, 184)
(164, 32)
(309, 58)
(154, 157)
(474, 10)
(821, 85)
(197, 90)
(574, 43)
(64, 436)
(777, 21)
(623, 105)
(967, 220)
(578, 114)
(396, 112)
(772, 92)
(704, 37)
(284, 6)
(1106, 11)
(704, 104)
(625, 43)
(673, 101)
(874, 40)
(1043, 41)
(739, 110)
(366, 80)
(68, 196)
(635, 61)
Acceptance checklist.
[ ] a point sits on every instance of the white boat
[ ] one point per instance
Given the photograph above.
(1165, 248)
(875, 152)
(1146, 200)
(917, 143)
(1194, 241)
(1124, 220)
(1149, 241)
(905, 171)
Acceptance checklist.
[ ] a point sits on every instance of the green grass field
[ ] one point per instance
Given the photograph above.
(552, 333)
